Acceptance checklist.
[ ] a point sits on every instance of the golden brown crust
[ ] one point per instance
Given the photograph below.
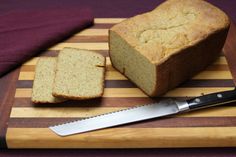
(44, 102)
(182, 69)
(195, 21)
(196, 44)
(75, 98)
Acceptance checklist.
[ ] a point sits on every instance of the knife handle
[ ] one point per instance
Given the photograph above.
(213, 99)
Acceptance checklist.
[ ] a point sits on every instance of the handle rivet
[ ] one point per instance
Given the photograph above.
(219, 95)
(197, 100)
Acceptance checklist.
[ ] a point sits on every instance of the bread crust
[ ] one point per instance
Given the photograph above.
(181, 71)
(181, 64)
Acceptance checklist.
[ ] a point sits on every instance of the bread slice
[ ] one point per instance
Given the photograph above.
(79, 74)
(43, 81)
(160, 49)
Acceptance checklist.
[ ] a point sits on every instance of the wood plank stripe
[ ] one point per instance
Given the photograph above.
(109, 75)
(221, 60)
(108, 20)
(60, 112)
(148, 137)
(86, 39)
(102, 25)
(108, 84)
(209, 83)
(81, 112)
(33, 61)
(218, 67)
(89, 46)
(104, 102)
(115, 75)
(54, 53)
(136, 92)
(213, 75)
(154, 123)
(129, 84)
(109, 67)
(93, 32)
(48, 53)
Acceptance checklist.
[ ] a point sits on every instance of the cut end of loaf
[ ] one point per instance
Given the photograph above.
(132, 64)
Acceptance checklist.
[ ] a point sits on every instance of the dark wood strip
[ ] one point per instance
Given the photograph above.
(27, 68)
(208, 83)
(175, 122)
(108, 84)
(7, 92)
(104, 102)
(218, 67)
(211, 68)
(54, 53)
(90, 39)
(129, 84)
(50, 53)
(99, 102)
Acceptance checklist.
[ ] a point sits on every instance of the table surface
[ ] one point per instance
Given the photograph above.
(107, 8)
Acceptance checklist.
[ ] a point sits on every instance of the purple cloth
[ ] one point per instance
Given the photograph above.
(107, 8)
(118, 8)
(25, 33)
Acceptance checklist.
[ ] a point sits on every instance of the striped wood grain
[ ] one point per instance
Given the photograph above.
(124, 138)
(80, 112)
(214, 71)
(136, 92)
(167, 122)
(206, 128)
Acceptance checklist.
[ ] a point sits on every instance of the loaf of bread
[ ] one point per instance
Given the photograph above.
(160, 49)
(79, 74)
(43, 81)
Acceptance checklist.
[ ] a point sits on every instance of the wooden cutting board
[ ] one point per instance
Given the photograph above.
(215, 127)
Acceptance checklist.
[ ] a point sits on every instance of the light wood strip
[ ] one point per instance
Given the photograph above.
(136, 92)
(109, 75)
(61, 112)
(89, 46)
(124, 138)
(29, 75)
(73, 112)
(114, 75)
(93, 32)
(34, 61)
(108, 20)
(213, 75)
(221, 60)
(193, 92)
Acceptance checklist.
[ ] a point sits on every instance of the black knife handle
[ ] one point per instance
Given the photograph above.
(212, 99)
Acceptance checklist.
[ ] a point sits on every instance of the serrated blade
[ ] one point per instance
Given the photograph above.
(139, 113)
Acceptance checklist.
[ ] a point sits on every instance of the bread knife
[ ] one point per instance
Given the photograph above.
(144, 112)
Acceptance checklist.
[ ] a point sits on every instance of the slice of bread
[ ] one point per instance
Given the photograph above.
(79, 74)
(43, 81)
